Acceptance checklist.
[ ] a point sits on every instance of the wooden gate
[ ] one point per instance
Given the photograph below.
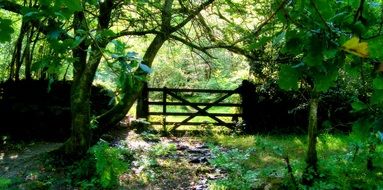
(173, 97)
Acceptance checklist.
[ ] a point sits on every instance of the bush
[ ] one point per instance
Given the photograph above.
(102, 167)
(276, 111)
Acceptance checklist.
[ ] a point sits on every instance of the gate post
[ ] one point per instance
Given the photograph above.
(143, 103)
(248, 97)
(164, 94)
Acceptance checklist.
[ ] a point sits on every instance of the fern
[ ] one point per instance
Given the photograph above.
(110, 164)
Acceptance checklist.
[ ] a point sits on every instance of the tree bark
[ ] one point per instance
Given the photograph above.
(311, 171)
(16, 57)
(142, 103)
(85, 68)
(81, 135)
(27, 56)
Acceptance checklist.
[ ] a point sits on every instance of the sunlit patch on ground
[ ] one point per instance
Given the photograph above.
(168, 163)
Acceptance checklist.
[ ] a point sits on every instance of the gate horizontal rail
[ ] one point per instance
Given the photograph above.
(195, 113)
(200, 108)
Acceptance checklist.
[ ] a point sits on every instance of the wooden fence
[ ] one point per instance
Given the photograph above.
(200, 109)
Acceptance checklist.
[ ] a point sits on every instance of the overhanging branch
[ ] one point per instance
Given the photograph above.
(192, 15)
(134, 33)
(16, 8)
(191, 44)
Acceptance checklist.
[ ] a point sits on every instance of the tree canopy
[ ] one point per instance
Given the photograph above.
(313, 46)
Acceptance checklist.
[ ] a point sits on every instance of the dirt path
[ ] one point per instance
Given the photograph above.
(21, 162)
(177, 163)
(160, 162)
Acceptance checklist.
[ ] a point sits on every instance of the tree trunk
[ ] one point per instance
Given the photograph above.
(27, 56)
(16, 57)
(148, 58)
(83, 74)
(81, 135)
(85, 68)
(311, 171)
(132, 92)
(142, 103)
(79, 141)
(119, 111)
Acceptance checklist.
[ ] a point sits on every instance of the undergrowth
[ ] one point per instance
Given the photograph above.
(277, 162)
(102, 167)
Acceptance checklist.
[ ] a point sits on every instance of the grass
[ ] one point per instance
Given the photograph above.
(338, 159)
(247, 161)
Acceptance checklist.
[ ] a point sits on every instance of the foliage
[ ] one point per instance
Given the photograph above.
(110, 163)
(341, 158)
(234, 162)
(6, 30)
(4, 183)
(175, 70)
(163, 150)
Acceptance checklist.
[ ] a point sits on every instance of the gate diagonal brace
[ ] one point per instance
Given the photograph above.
(199, 110)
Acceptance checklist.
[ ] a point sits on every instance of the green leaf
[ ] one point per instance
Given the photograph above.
(358, 105)
(45, 2)
(279, 38)
(288, 78)
(354, 4)
(301, 4)
(377, 97)
(358, 28)
(312, 59)
(6, 30)
(145, 68)
(375, 48)
(325, 9)
(74, 5)
(54, 35)
(92, 2)
(324, 80)
(71, 5)
(119, 47)
(329, 54)
(5, 183)
(294, 42)
(361, 129)
(377, 83)
(352, 71)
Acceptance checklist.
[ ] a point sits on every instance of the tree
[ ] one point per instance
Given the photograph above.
(85, 28)
(319, 33)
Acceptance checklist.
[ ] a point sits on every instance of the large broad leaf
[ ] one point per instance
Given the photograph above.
(279, 39)
(358, 28)
(375, 48)
(361, 129)
(324, 80)
(313, 59)
(325, 9)
(329, 54)
(145, 68)
(288, 78)
(6, 30)
(45, 2)
(377, 83)
(377, 97)
(65, 8)
(358, 106)
(356, 47)
(119, 47)
(294, 42)
(72, 5)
